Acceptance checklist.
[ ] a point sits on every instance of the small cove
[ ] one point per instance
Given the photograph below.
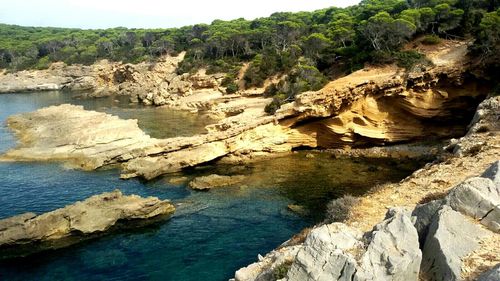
(212, 234)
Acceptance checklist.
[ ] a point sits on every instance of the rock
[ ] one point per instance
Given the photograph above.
(264, 269)
(299, 209)
(493, 173)
(478, 198)
(393, 252)
(26, 234)
(180, 86)
(87, 139)
(212, 181)
(325, 254)
(331, 252)
(450, 238)
(424, 215)
(490, 275)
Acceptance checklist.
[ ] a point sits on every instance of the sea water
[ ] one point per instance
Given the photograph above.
(212, 233)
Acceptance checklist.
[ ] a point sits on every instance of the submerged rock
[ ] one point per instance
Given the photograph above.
(212, 181)
(28, 233)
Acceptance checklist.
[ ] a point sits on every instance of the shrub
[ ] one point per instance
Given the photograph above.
(232, 88)
(281, 270)
(338, 209)
(272, 107)
(408, 59)
(431, 40)
(433, 196)
(382, 57)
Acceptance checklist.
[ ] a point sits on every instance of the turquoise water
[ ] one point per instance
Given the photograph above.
(212, 233)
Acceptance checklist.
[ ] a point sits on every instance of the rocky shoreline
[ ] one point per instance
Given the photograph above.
(442, 223)
(374, 106)
(29, 233)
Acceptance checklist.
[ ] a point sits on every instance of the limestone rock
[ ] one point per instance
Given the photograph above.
(212, 181)
(25, 234)
(263, 270)
(490, 275)
(450, 238)
(325, 254)
(393, 252)
(336, 252)
(424, 214)
(478, 198)
(493, 173)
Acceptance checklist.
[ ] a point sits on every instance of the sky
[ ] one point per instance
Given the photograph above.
(147, 13)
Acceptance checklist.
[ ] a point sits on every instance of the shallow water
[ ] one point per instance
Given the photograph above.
(212, 234)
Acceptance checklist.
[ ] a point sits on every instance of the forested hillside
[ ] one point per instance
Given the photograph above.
(304, 45)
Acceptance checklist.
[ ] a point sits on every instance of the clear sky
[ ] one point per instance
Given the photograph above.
(146, 13)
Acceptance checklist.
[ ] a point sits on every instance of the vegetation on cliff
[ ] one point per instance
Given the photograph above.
(309, 45)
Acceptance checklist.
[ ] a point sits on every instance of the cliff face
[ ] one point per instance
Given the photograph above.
(377, 105)
(387, 105)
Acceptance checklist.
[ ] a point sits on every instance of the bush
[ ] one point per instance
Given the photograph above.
(431, 40)
(232, 88)
(272, 107)
(338, 210)
(382, 57)
(281, 270)
(408, 59)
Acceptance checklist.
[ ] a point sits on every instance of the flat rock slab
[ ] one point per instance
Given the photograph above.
(28, 233)
(67, 132)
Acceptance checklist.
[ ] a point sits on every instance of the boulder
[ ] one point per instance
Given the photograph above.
(490, 275)
(209, 182)
(451, 236)
(337, 252)
(478, 198)
(28, 233)
(326, 254)
(393, 252)
(493, 173)
(424, 214)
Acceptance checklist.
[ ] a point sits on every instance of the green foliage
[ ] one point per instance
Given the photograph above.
(431, 40)
(327, 38)
(281, 270)
(408, 59)
(231, 88)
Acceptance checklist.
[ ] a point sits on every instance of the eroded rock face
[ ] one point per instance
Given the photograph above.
(28, 233)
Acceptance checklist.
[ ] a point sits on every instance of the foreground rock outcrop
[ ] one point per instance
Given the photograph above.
(30, 233)
(434, 242)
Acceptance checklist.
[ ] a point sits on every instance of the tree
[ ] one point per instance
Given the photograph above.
(341, 29)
